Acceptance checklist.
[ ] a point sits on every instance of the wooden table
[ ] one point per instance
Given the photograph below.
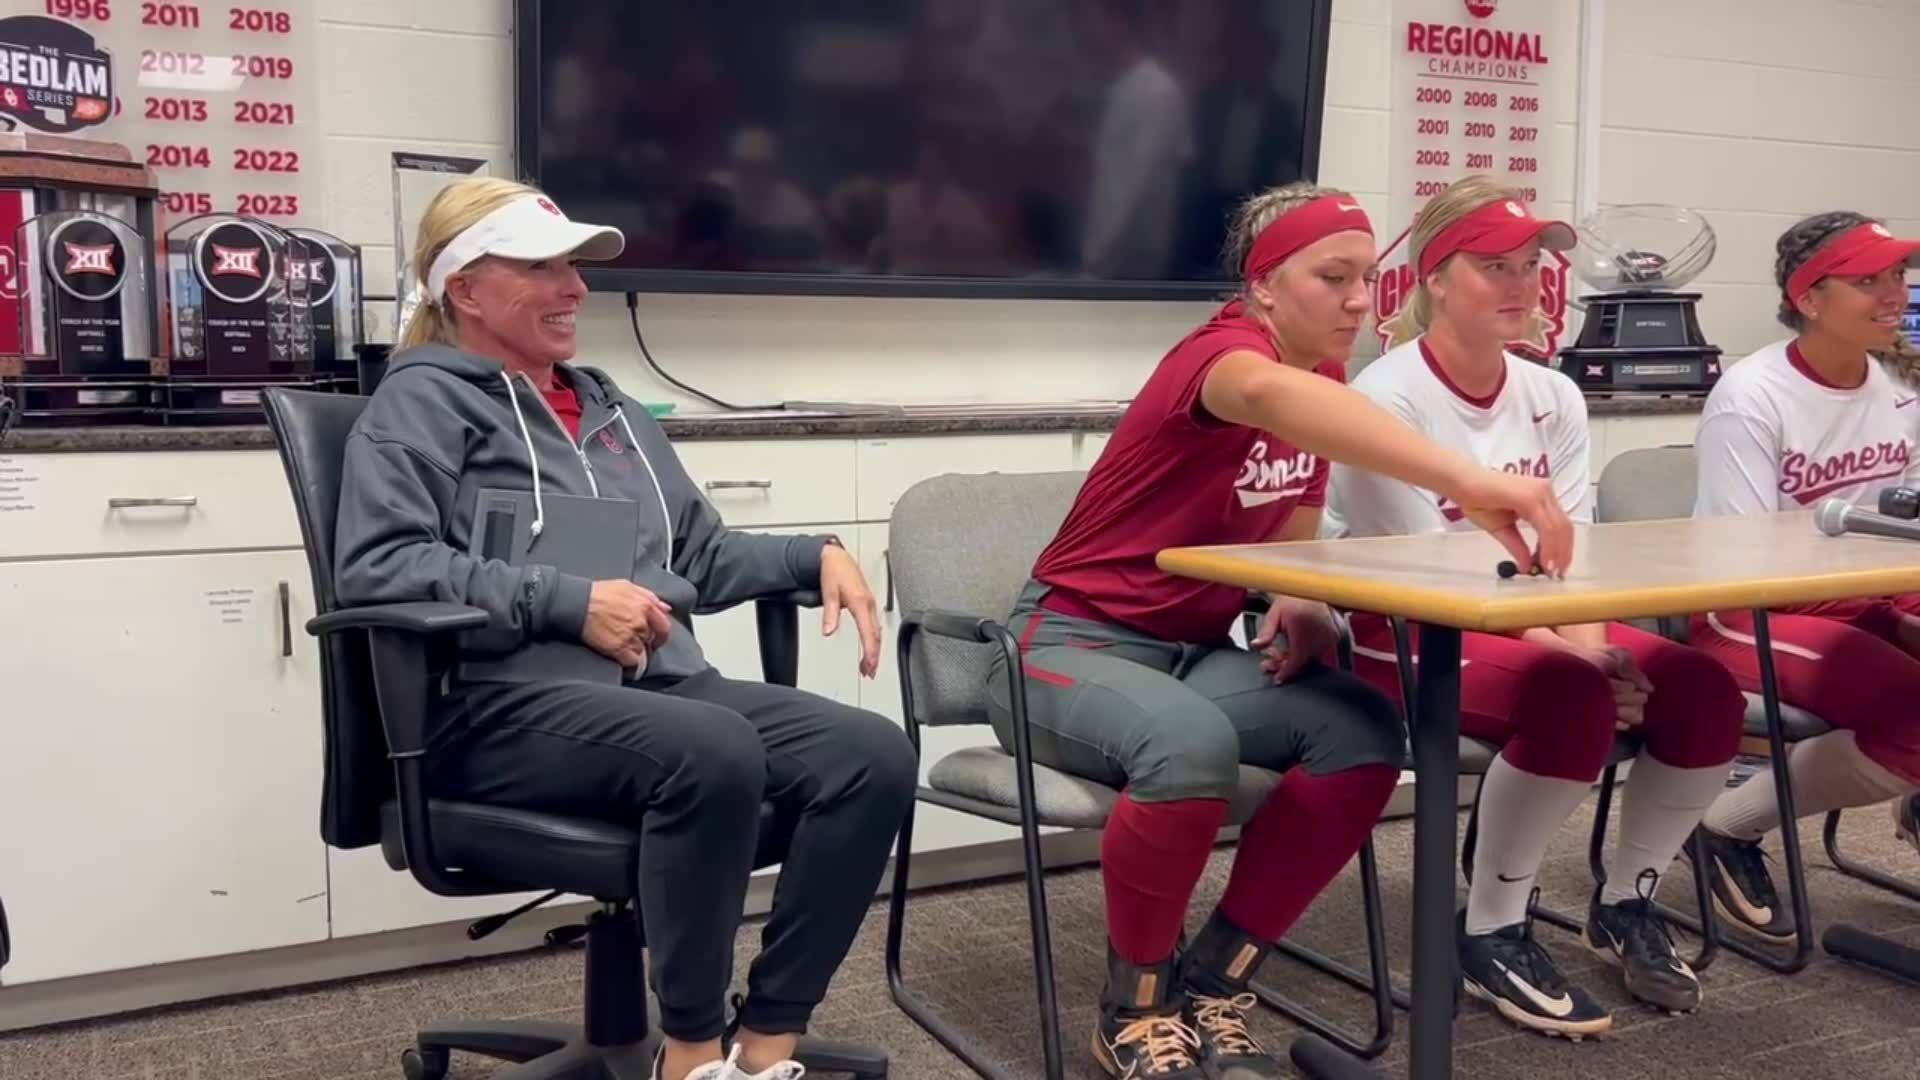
(1447, 583)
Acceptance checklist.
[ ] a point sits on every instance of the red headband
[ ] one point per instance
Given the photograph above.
(1863, 249)
(1299, 227)
(1494, 229)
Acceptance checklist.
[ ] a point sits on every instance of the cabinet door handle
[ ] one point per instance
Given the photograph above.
(886, 561)
(123, 502)
(286, 620)
(735, 485)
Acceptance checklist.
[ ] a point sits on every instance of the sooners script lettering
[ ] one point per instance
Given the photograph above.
(1807, 479)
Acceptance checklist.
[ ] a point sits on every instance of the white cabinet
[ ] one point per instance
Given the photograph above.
(888, 467)
(1087, 447)
(829, 666)
(57, 505)
(368, 897)
(758, 482)
(160, 760)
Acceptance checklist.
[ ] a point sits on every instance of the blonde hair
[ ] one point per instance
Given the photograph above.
(1260, 211)
(1462, 197)
(455, 209)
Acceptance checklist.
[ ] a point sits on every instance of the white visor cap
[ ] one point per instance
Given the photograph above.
(529, 227)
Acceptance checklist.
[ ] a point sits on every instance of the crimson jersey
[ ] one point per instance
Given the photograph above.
(1174, 476)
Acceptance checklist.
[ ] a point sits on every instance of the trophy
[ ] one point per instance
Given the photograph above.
(1640, 334)
(331, 267)
(86, 319)
(241, 318)
(79, 326)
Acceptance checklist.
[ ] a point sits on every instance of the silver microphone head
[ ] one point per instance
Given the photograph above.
(1831, 517)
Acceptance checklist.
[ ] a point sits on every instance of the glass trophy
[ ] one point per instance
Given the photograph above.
(331, 267)
(86, 319)
(241, 318)
(417, 178)
(1641, 334)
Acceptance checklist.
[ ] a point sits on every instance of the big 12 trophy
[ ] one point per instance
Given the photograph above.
(1640, 335)
(77, 221)
(241, 320)
(334, 293)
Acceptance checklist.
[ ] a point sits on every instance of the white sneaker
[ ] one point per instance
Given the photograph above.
(779, 1070)
(712, 1070)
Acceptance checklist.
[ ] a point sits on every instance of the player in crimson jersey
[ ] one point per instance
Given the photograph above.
(1552, 696)
(1818, 417)
(1130, 673)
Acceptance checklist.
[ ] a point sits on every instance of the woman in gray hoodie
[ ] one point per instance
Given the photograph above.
(480, 400)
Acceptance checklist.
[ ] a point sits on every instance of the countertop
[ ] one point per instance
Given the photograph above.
(985, 419)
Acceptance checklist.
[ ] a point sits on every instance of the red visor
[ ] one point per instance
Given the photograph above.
(1299, 227)
(1861, 250)
(1494, 229)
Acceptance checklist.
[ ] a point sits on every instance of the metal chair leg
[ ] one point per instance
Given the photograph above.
(1830, 836)
(911, 1003)
(1789, 829)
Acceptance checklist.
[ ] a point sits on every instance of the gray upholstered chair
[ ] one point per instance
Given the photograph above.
(1643, 485)
(960, 548)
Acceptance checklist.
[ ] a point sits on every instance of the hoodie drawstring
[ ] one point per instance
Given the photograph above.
(539, 508)
(665, 515)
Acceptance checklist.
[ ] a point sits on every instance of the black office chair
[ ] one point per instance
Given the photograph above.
(378, 668)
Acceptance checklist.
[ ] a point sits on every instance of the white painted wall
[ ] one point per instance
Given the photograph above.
(1752, 111)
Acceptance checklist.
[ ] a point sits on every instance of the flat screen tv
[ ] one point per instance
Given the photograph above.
(1045, 148)
(1911, 320)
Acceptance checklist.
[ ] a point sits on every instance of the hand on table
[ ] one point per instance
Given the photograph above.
(1498, 502)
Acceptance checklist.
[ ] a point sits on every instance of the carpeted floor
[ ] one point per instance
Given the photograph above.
(967, 949)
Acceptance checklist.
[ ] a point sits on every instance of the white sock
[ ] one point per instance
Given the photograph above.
(1659, 806)
(1519, 814)
(1830, 772)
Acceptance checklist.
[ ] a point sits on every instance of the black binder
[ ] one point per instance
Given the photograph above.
(591, 538)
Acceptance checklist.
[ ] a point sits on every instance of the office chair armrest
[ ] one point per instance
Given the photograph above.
(776, 622)
(955, 624)
(421, 617)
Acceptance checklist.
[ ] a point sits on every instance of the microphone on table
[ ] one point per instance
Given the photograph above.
(1836, 517)
(1900, 502)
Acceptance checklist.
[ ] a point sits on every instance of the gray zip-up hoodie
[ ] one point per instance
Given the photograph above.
(444, 424)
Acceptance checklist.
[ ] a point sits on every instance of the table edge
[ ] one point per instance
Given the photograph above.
(1519, 612)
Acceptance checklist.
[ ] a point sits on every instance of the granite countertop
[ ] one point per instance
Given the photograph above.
(985, 419)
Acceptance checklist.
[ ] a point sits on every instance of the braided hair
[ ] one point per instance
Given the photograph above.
(1796, 246)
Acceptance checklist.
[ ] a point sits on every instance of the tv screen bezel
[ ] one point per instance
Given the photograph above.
(526, 113)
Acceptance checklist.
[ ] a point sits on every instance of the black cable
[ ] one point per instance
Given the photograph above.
(633, 314)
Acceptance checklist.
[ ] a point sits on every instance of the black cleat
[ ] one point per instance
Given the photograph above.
(1743, 890)
(1632, 936)
(1214, 971)
(1510, 971)
(1144, 1028)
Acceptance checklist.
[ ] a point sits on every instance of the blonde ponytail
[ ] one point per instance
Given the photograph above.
(456, 208)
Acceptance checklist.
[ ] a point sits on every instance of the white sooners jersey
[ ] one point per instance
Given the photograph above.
(1775, 436)
(1535, 424)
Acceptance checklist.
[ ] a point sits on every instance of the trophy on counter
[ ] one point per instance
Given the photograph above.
(241, 318)
(79, 322)
(1641, 335)
(331, 267)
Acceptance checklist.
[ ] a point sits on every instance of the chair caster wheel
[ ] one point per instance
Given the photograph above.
(430, 1064)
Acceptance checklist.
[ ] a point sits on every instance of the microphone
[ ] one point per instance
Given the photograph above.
(1900, 502)
(1836, 517)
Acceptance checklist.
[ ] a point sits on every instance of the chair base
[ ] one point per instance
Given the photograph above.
(541, 1051)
